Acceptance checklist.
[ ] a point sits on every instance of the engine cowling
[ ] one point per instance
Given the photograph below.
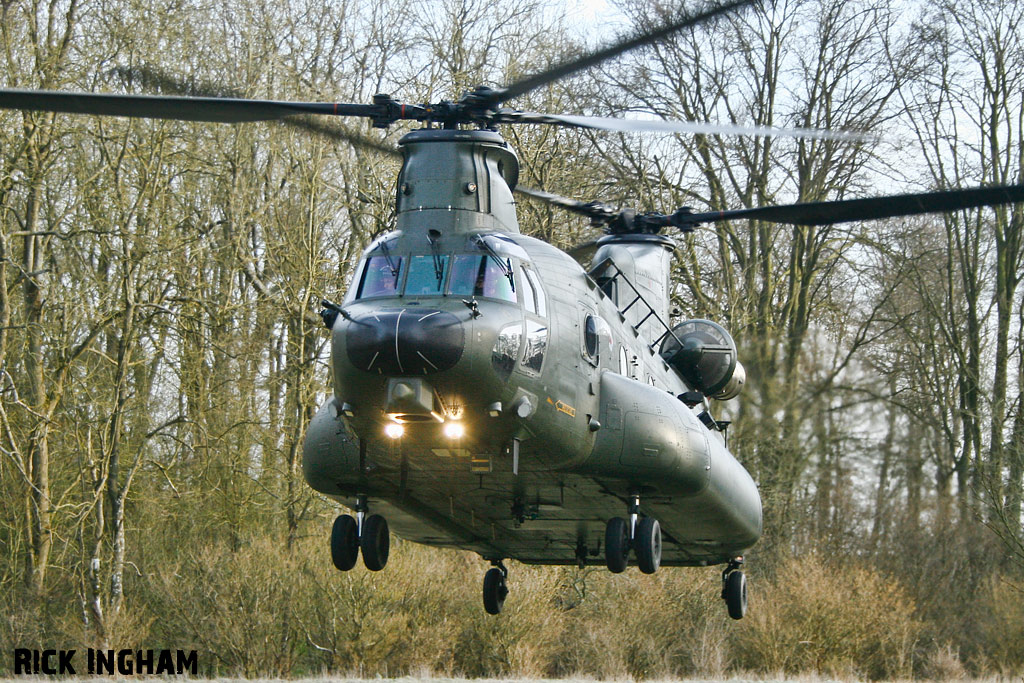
(705, 355)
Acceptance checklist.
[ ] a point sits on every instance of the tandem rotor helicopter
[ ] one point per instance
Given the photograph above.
(493, 395)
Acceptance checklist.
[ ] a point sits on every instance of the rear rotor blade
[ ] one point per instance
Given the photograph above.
(872, 208)
(595, 211)
(564, 69)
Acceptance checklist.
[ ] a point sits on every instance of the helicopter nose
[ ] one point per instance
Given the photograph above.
(412, 341)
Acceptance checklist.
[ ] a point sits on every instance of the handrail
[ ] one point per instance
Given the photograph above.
(604, 266)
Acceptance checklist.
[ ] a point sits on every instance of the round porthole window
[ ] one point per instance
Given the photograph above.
(590, 338)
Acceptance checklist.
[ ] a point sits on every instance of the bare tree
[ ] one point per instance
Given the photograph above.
(775, 286)
(966, 111)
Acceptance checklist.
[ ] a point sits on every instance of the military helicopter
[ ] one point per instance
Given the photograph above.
(492, 394)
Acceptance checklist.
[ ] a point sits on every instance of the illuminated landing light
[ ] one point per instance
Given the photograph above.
(394, 430)
(454, 430)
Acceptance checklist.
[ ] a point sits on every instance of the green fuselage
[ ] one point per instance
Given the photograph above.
(530, 408)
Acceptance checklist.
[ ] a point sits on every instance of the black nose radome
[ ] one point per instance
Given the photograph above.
(412, 341)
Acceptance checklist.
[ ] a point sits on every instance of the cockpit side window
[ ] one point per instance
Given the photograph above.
(536, 344)
(529, 296)
(381, 276)
(479, 275)
(533, 295)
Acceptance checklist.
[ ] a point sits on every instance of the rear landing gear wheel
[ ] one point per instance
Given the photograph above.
(648, 545)
(344, 542)
(736, 594)
(375, 542)
(616, 544)
(734, 590)
(495, 590)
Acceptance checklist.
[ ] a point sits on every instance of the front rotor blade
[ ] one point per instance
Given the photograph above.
(342, 134)
(151, 78)
(660, 125)
(225, 110)
(872, 208)
(572, 66)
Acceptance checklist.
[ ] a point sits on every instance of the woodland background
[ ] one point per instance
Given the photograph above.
(160, 354)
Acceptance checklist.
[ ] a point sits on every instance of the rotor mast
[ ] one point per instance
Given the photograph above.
(456, 181)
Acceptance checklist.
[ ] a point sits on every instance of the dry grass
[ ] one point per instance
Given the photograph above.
(255, 610)
(752, 678)
(837, 620)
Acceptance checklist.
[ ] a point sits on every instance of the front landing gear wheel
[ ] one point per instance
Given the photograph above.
(735, 594)
(648, 545)
(495, 590)
(616, 544)
(375, 542)
(344, 542)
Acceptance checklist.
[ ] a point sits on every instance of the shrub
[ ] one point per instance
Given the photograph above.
(1003, 627)
(833, 619)
(669, 625)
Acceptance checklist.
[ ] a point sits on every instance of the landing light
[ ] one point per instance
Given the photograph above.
(394, 430)
(454, 430)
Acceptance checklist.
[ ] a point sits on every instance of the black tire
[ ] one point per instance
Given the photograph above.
(736, 594)
(648, 545)
(616, 545)
(495, 590)
(344, 542)
(375, 542)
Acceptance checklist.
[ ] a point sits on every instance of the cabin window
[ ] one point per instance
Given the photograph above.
(380, 276)
(591, 341)
(426, 275)
(596, 334)
(536, 345)
(478, 275)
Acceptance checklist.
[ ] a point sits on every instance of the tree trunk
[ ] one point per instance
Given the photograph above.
(40, 531)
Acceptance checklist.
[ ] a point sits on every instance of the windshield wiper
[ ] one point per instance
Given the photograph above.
(506, 265)
(387, 255)
(432, 236)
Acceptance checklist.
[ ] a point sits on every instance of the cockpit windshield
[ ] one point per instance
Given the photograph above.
(426, 275)
(381, 276)
(479, 275)
(487, 271)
